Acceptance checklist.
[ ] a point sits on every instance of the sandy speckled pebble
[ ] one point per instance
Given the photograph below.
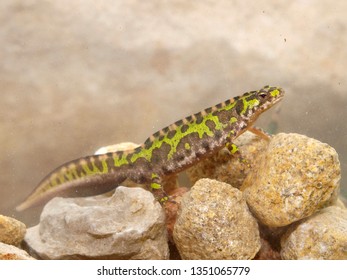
(12, 231)
(295, 177)
(214, 223)
(321, 236)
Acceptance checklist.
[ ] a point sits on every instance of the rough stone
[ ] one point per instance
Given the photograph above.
(231, 169)
(10, 252)
(214, 223)
(128, 225)
(295, 177)
(12, 231)
(321, 236)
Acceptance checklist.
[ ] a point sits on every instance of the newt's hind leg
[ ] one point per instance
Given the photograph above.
(234, 151)
(157, 189)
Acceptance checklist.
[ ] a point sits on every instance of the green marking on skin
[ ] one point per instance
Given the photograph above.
(104, 166)
(275, 93)
(233, 120)
(233, 148)
(155, 186)
(202, 129)
(120, 161)
(249, 104)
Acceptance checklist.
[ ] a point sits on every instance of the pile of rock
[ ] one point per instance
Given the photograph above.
(291, 187)
(272, 200)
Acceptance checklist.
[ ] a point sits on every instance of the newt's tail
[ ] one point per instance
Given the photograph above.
(89, 175)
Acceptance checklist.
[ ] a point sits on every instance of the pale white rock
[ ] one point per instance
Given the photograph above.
(125, 146)
(128, 225)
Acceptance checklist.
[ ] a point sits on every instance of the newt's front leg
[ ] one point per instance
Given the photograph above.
(260, 132)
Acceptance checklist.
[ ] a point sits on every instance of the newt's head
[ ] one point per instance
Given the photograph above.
(253, 103)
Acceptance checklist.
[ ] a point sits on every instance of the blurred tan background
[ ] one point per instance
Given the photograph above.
(77, 75)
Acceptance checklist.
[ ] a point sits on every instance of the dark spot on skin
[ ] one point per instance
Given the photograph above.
(188, 152)
(80, 171)
(130, 164)
(249, 98)
(66, 178)
(72, 175)
(148, 143)
(98, 164)
(179, 123)
(206, 145)
(239, 107)
(220, 105)
(184, 128)
(208, 110)
(159, 155)
(166, 129)
(59, 181)
(89, 165)
(142, 179)
(199, 118)
(223, 116)
(109, 160)
(161, 137)
(155, 135)
(171, 134)
(189, 119)
(180, 157)
(210, 124)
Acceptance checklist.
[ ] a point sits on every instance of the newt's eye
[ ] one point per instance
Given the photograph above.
(262, 94)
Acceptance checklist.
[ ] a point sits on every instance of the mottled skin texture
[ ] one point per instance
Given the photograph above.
(166, 152)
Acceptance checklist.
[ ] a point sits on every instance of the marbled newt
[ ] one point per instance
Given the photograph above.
(166, 152)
